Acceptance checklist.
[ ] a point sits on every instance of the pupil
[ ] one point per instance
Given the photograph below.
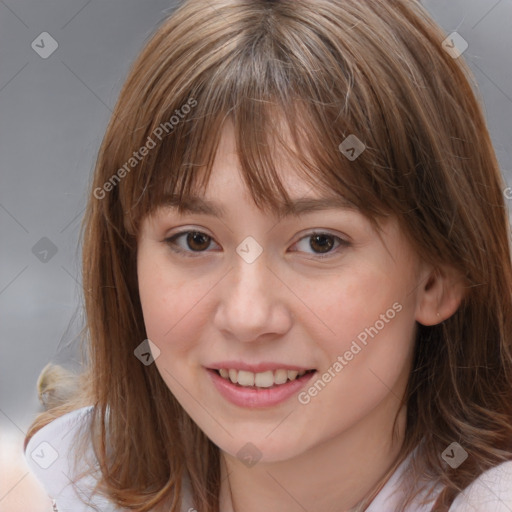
(324, 247)
(194, 237)
(324, 242)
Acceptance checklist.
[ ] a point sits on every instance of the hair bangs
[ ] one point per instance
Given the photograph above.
(279, 119)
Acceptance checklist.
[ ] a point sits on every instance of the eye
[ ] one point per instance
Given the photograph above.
(322, 244)
(195, 242)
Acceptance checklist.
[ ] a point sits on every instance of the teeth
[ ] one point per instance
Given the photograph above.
(280, 376)
(246, 378)
(292, 374)
(262, 379)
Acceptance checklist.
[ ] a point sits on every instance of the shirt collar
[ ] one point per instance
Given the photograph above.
(393, 493)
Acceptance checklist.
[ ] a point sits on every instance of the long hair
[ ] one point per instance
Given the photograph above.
(320, 71)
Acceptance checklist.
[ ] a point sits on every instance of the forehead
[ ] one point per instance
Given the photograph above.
(298, 206)
(226, 184)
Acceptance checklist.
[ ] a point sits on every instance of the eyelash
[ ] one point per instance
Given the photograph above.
(171, 242)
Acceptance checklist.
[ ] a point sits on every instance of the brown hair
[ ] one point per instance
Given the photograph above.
(326, 69)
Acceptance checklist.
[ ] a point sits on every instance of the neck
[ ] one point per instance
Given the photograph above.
(342, 473)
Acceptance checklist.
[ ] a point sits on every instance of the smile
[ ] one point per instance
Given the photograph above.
(266, 379)
(262, 389)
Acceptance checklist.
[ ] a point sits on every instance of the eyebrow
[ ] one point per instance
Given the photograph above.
(297, 207)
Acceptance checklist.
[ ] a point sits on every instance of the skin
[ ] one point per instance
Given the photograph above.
(289, 306)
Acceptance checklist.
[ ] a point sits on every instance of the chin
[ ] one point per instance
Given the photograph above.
(253, 449)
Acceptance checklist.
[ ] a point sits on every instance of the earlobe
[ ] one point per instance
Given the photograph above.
(441, 292)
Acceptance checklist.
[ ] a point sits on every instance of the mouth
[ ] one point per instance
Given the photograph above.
(261, 380)
(259, 390)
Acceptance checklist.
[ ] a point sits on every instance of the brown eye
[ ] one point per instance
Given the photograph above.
(189, 243)
(321, 243)
(198, 241)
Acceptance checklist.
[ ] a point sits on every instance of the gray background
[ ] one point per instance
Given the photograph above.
(53, 113)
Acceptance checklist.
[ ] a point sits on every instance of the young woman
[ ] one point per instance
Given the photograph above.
(297, 275)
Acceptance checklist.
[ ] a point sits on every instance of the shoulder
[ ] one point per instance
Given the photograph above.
(49, 448)
(50, 456)
(395, 491)
(490, 492)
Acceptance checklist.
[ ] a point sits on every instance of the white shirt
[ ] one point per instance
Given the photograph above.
(48, 456)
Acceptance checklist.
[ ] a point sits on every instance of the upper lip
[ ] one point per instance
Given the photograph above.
(256, 368)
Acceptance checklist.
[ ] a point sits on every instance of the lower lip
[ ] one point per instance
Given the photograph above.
(258, 398)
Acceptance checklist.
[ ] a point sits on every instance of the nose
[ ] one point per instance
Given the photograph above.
(252, 304)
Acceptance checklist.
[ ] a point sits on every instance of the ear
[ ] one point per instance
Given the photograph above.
(440, 294)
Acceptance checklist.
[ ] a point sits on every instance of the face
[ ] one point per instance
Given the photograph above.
(259, 299)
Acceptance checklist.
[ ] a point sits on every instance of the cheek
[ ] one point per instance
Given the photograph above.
(355, 301)
(172, 306)
(374, 325)
(367, 350)
(154, 297)
(371, 314)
